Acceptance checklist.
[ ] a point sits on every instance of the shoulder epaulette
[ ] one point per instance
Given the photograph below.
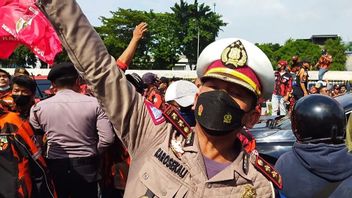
(177, 121)
(268, 171)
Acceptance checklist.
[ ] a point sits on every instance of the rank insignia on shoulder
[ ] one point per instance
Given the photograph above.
(155, 113)
(177, 121)
(268, 171)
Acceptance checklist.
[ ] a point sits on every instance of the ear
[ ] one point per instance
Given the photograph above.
(196, 98)
(251, 118)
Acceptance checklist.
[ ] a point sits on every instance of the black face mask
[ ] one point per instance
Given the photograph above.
(218, 113)
(21, 100)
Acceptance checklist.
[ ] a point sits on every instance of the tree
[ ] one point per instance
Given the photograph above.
(269, 49)
(306, 50)
(348, 46)
(197, 21)
(116, 33)
(336, 48)
(159, 49)
(165, 47)
(19, 58)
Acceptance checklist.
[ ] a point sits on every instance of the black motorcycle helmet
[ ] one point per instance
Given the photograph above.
(318, 119)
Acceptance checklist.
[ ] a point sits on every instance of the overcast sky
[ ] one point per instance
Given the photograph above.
(259, 21)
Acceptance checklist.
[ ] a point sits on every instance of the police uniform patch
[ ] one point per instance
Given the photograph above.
(155, 113)
(170, 163)
(3, 142)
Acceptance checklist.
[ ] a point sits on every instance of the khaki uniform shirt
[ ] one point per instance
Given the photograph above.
(156, 169)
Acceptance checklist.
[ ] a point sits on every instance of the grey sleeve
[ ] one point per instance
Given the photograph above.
(33, 120)
(105, 131)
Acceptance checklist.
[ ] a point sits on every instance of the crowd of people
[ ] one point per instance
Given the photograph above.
(104, 133)
(292, 83)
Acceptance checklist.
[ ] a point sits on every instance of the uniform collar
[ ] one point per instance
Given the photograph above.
(61, 91)
(233, 171)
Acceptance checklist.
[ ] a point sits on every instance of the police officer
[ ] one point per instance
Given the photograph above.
(318, 165)
(77, 130)
(208, 162)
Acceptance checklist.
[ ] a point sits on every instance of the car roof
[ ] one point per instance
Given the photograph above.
(346, 102)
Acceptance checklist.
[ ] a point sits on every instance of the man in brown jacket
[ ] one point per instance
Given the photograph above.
(208, 162)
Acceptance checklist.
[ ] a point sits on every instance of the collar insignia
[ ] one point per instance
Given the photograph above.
(234, 55)
(249, 192)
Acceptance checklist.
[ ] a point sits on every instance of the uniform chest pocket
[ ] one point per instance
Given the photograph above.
(160, 183)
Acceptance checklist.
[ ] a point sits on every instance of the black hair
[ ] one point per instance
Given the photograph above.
(137, 82)
(66, 81)
(7, 73)
(25, 81)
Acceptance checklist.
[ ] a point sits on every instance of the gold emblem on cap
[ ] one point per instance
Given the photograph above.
(234, 55)
(200, 110)
(227, 118)
(249, 192)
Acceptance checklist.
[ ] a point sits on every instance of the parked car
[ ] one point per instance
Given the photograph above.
(274, 135)
(42, 84)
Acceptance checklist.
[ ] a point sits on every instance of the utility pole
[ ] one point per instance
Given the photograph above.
(214, 6)
(198, 43)
(198, 36)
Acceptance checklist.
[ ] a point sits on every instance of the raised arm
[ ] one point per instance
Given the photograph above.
(125, 108)
(126, 57)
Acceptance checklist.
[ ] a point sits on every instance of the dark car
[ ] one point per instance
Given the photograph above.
(42, 84)
(274, 135)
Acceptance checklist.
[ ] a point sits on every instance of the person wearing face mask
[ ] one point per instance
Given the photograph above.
(171, 160)
(6, 100)
(23, 94)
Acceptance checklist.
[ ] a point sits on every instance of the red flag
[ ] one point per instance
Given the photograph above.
(8, 44)
(23, 21)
